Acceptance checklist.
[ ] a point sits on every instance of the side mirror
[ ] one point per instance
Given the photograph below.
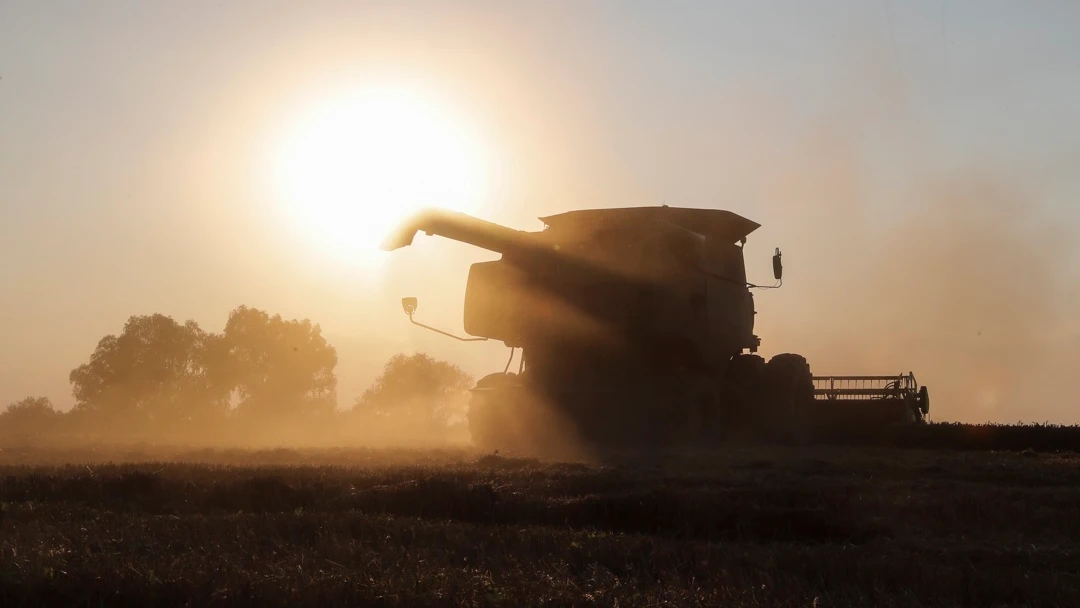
(777, 265)
(409, 305)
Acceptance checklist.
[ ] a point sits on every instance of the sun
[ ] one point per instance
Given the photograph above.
(349, 170)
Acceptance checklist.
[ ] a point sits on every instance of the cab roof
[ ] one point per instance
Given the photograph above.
(710, 223)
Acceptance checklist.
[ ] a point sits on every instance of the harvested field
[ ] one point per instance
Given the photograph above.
(840, 526)
(958, 436)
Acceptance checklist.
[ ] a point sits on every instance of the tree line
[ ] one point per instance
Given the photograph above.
(263, 378)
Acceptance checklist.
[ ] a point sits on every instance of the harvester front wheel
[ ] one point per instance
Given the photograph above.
(789, 388)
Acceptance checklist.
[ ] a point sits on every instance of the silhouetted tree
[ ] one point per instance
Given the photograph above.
(31, 416)
(280, 369)
(420, 387)
(156, 372)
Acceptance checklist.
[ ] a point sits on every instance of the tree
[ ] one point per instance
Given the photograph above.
(418, 387)
(280, 369)
(30, 416)
(173, 379)
(155, 372)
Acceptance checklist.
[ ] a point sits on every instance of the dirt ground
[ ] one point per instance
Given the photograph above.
(840, 526)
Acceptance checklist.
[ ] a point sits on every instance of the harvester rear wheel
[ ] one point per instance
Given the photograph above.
(506, 414)
(487, 409)
(789, 390)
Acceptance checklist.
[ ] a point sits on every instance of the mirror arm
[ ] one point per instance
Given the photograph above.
(439, 331)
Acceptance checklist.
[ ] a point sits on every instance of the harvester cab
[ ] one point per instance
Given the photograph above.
(636, 325)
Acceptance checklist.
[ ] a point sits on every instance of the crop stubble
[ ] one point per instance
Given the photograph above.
(742, 526)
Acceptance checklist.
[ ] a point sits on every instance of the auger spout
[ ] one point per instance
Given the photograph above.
(460, 227)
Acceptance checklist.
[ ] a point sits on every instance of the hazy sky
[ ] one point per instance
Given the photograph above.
(134, 139)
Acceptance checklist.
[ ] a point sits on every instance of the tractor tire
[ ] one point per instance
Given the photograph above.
(488, 407)
(789, 399)
(505, 415)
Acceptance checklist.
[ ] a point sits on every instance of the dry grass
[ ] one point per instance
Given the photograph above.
(742, 527)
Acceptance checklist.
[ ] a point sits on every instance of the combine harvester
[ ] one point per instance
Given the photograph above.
(636, 328)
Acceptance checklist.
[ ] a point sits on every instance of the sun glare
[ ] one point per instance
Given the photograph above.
(353, 168)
